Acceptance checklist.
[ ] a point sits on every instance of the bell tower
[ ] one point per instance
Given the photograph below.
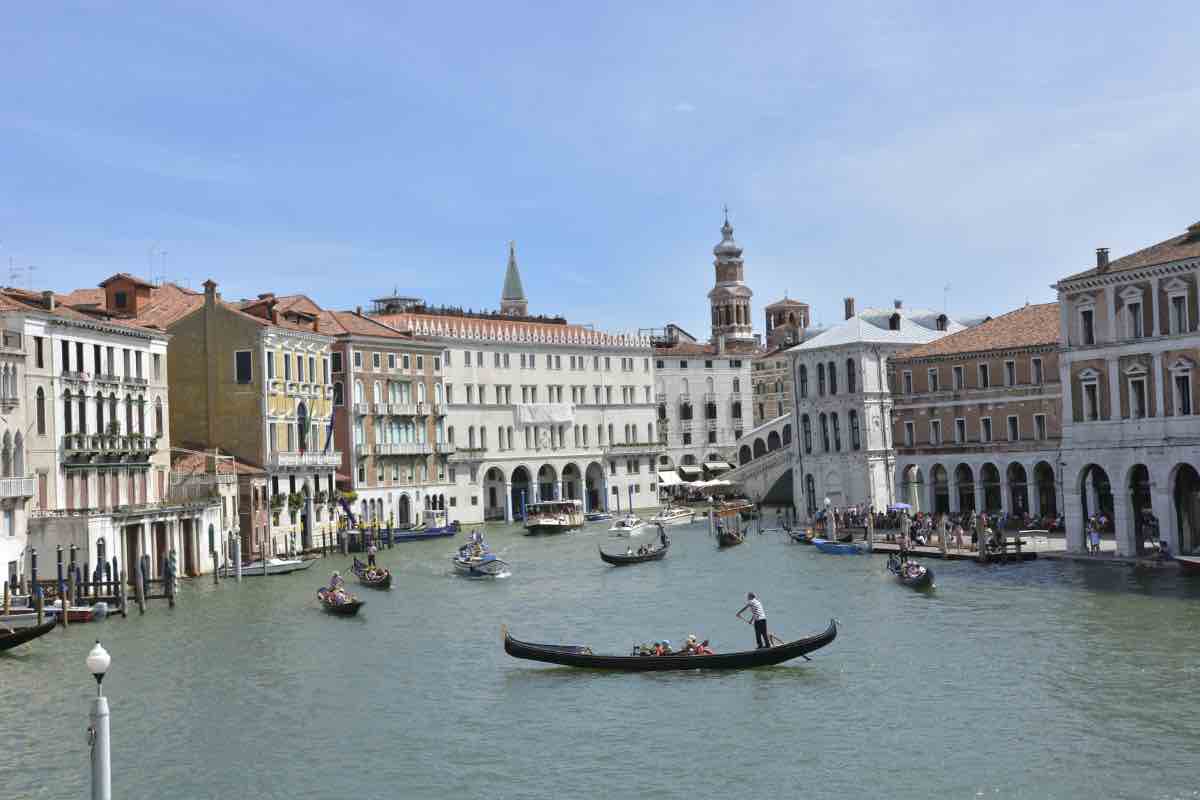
(512, 297)
(730, 297)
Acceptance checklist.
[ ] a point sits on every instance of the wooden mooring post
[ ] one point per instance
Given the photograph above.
(7, 600)
(139, 588)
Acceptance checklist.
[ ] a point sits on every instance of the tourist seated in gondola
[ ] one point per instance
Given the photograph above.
(336, 582)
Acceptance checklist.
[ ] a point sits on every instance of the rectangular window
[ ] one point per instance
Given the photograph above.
(909, 434)
(156, 359)
(299, 367)
(242, 366)
(683, 365)
(325, 370)
(391, 360)
(375, 361)
(420, 363)
(1010, 373)
(38, 353)
(960, 431)
(337, 361)
(1039, 426)
(985, 376)
(467, 358)
(1091, 402)
(1134, 310)
(935, 431)
(985, 429)
(933, 380)
(1183, 394)
(1014, 430)
(1137, 398)
(1179, 316)
(1037, 376)
(1087, 326)
(908, 385)
(287, 366)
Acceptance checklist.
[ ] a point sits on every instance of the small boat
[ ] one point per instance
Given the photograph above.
(10, 638)
(624, 559)
(628, 525)
(674, 515)
(553, 516)
(836, 548)
(1189, 564)
(476, 560)
(26, 618)
(584, 657)
(346, 608)
(274, 566)
(727, 537)
(434, 526)
(74, 613)
(373, 576)
(911, 573)
(800, 537)
(597, 516)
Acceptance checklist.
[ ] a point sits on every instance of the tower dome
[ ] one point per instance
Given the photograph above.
(730, 297)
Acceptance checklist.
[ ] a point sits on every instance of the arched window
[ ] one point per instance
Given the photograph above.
(825, 433)
(112, 413)
(471, 437)
(68, 413)
(806, 429)
(851, 377)
(141, 414)
(338, 390)
(820, 379)
(437, 393)
(128, 414)
(855, 438)
(377, 395)
(420, 393)
(99, 413)
(6, 456)
(19, 455)
(837, 433)
(158, 417)
(358, 392)
(803, 381)
(810, 494)
(832, 378)
(40, 404)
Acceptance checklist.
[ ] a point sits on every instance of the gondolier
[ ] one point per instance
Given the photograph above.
(759, 616)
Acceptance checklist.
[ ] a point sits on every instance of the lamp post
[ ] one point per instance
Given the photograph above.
(97, 664)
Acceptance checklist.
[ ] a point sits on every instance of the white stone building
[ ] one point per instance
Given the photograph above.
(1130, 373)
(703, 389)
(536, 408)
(843, 405)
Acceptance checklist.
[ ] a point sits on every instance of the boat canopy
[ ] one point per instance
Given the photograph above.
(553, 506)
(717, 466)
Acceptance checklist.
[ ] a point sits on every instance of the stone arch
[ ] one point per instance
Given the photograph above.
(547, 482)
(404, 511)
(492, 486)
(1095, 494)
(1185, 502)
(1046, 489)
(1018, 488)
(522, 490)
(964, 484)
(744, 455)
(1137, 482)
(912, 487)
(787, 434)
(760, 448)
(939, 487)
(595, 487)
(572, 482)
(773, 441)
(989, 480)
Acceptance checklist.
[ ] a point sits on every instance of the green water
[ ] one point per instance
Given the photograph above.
(1048, 680)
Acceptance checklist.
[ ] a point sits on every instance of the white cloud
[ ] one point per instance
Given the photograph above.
(684, 107)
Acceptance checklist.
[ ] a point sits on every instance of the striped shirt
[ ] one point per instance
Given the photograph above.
(756, 609)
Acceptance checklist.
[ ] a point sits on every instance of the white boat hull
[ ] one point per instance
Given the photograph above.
(621, 529)
(675, 519)
(275, 566)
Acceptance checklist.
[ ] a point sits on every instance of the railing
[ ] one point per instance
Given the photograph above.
(660, 398)
(87, 445)
(422, 409)
(381, 408)
(291, 460)
(403, 449)
(18, 487)
(402, 409)
(439, 410)
(633, 448)
(76, 376)
(446, 448)
(710, 397)
(362, 409)
(471, 453)
(107, 378)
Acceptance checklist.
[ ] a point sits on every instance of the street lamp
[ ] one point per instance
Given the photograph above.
(98, 662)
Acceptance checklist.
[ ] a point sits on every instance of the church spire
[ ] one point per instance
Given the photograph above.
(512, 297)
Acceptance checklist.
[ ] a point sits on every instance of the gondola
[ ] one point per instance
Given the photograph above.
(584, 657)
(374, 577)
(800, 537)
(836, 548)
(9, 640)
(620, 560)
(729, 538)
(911, 573)
(346, 609)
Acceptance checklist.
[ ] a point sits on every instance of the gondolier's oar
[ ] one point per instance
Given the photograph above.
(775, 640)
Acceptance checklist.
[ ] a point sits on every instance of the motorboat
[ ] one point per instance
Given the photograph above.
(434, 526)
(476, 560)
(273, 566)
(836, 548)
(674, 515)
(628, 525)
(553, 516)
(597, 516)
(26, 618)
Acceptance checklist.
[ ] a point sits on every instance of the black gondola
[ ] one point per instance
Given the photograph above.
(800, 537)
(10, 639)
(727, 538)
(381, 580)
(584, 657)
(346, 609)
(657, 554)
(911, 573)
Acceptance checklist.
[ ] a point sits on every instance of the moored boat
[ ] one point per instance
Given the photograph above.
(628, 525)
(553, 516)
(74, 613)
(1189, 564)
(836, 548)
(674, 515)
(340, 603)
(597, 516)
(434, 526)
(800, 537)
(274, 566)
(571, 656)
(26, 618)
(10, 638)
(375, 577)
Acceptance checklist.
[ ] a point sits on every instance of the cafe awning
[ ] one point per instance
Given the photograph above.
(688, 469)
(668, 478)
(717, 466)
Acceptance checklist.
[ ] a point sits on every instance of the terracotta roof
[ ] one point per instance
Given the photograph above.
(83, 297)
(22, 300)
(1177, 248)
(125, 276)
(504, 328)
(342, 323)
(735, 348)
(788, 303)
(1029, 326)
(167, 305)
(197, 462)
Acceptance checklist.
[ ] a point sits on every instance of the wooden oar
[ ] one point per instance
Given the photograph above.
(775, 640)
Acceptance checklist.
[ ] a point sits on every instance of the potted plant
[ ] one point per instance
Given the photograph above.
(295, 502)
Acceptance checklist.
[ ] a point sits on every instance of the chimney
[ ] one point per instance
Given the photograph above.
(316, 324)
(358, 311)
(48, 300)
(849, 301)
(1102, 259)
(899, 304)
(210, 293)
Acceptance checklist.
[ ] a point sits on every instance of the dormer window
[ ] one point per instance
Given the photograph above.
(121, 299)
(894, 322)
(942, 322)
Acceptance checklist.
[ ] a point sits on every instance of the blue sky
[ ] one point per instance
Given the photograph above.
(881, 150)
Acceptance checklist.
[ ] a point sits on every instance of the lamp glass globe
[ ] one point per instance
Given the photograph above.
(98, 660)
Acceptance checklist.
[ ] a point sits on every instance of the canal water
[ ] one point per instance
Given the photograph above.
(1047, 680)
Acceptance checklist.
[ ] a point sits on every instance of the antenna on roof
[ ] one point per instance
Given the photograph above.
(945, 294)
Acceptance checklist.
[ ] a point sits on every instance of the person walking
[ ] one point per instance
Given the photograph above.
(371, 551)
(759, 618)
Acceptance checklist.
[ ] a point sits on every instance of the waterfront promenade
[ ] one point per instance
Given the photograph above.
(249, 691)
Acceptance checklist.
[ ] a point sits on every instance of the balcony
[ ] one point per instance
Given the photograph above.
(439, 409)
(362, 409)
(402, 409)
(17, 487)
(633, 449)
(135, 380)
(422, 409)
(710, 397)
(471, 453)
(660, 398)
(76, 376)
(107, 378)
(296, 460)
(404, 449)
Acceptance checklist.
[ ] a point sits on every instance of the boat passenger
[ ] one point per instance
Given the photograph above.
(703, 649)
(336, 582)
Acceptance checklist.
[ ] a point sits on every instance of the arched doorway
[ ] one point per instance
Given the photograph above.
(493, 494)
(1095, 495)
(306, 537)
(810, 494)
(404, 512)
(596, 487)
(1018, 489)
(572, 483)
(1144, 525)
(912, 487)
(964, 484)
(520, 492)
(773, 442)
(993, 500)
(1186, 497)
(744, 455)
(547, 483)
(941, 489)
(1047, 490)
